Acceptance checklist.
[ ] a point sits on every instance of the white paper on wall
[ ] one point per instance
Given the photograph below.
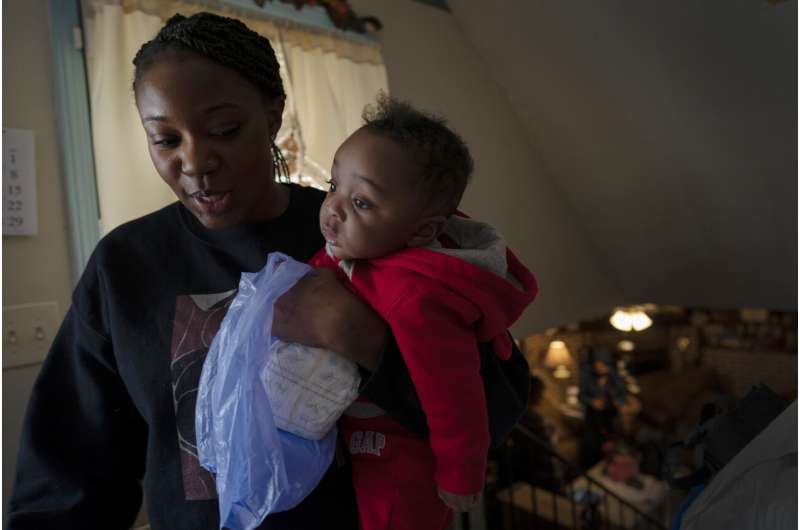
(19, 183)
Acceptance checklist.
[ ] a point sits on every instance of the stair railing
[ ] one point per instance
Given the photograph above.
(518, 505)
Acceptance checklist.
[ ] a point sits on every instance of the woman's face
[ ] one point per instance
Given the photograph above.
(209, 130)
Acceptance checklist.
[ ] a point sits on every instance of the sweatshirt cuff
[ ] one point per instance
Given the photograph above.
(460, 477)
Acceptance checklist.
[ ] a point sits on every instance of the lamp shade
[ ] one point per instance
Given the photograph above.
(557, 354)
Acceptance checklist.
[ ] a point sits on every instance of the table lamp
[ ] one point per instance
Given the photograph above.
(558, 358)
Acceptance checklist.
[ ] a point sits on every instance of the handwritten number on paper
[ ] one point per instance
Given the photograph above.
(19, 183)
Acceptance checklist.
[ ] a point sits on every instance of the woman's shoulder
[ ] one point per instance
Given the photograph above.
(144, 241)
(162, 225)
(116, 262)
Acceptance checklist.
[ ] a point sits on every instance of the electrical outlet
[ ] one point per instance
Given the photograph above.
(28, 332)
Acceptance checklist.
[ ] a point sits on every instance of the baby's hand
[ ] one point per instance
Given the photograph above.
(459, 503)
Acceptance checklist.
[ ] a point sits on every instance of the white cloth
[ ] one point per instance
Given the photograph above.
(128, 185)
(330, 93)
(309, 388)
(758, 488)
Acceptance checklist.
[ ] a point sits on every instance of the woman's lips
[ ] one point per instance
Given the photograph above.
(212, 202)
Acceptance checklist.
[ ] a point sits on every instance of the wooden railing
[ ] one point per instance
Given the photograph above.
(575, 500)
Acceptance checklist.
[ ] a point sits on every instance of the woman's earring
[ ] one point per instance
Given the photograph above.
(279, 165)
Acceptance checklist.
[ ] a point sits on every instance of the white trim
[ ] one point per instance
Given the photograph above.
(74, 132)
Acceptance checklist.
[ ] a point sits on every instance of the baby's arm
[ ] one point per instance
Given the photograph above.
(433, 329)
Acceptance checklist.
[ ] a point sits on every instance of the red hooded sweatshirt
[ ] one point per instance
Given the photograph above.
(440, 301)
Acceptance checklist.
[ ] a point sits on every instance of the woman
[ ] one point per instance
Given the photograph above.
(114, 403)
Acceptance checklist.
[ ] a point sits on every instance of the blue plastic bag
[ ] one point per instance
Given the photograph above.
(259, 468)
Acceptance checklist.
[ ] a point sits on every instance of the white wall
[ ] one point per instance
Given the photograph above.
(671, 129)
(431, 63)
(35, 269)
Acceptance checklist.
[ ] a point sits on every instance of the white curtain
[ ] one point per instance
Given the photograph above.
(328, 81)
(330, 92)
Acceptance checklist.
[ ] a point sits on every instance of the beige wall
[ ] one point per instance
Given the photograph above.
(431, 63)
(35, 269)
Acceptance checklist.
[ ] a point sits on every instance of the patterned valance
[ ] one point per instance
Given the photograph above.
(350, 46)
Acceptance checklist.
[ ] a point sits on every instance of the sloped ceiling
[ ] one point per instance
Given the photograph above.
(671, 130)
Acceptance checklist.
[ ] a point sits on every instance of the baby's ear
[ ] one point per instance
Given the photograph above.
(428, 229)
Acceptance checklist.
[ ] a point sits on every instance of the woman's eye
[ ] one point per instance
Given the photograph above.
(360, 204)
(224, 131)
(165, 142)
(331, 185)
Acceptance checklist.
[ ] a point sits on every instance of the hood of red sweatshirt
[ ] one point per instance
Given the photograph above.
(472, 259)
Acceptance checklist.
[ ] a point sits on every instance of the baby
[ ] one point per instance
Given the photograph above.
(443, 283)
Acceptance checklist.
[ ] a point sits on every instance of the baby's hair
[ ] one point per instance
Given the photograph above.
(442, 155)
(224, 40)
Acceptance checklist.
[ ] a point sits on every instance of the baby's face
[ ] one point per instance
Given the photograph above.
(374, 205)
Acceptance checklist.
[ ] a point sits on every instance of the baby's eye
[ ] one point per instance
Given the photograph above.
(360, 204)
(331, 185)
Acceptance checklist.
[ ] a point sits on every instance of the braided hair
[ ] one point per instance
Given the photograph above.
(442, 156)
(226, 41)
